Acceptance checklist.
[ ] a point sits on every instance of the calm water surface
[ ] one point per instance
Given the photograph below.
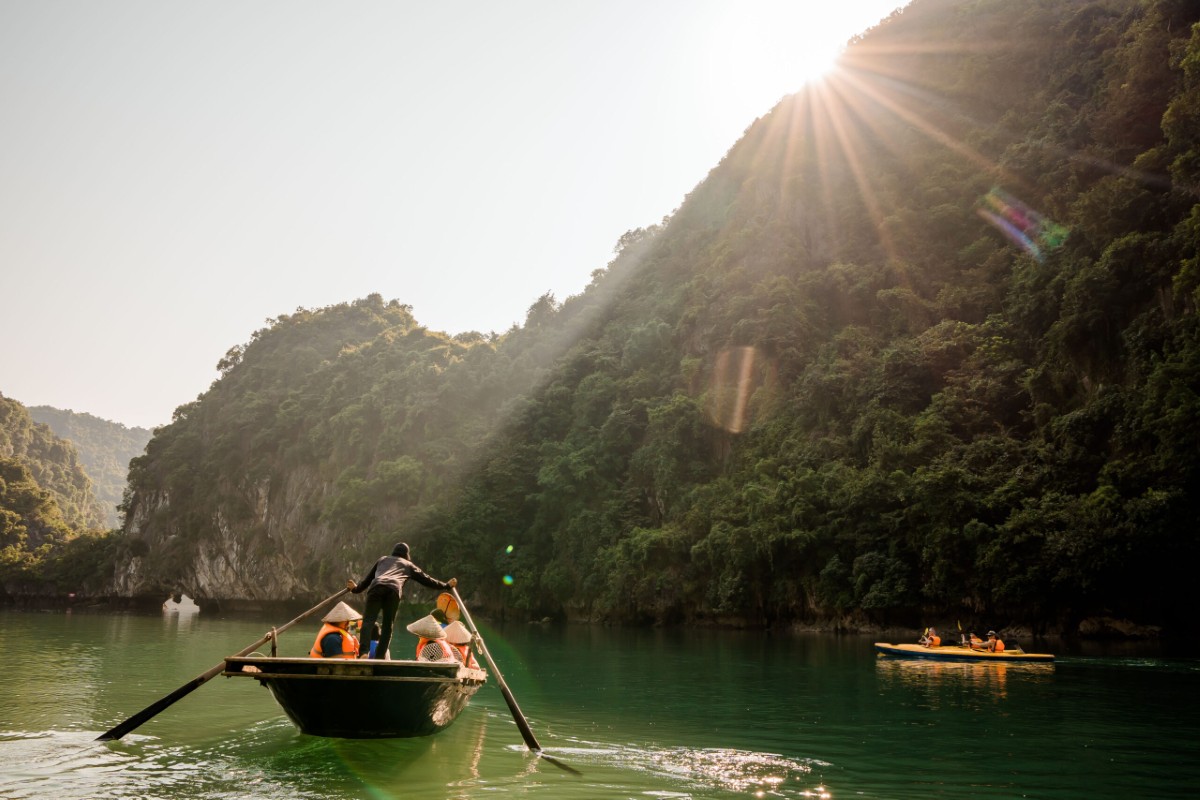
(643, 714)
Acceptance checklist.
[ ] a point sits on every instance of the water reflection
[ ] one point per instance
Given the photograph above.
(181, 608)
(988, 680)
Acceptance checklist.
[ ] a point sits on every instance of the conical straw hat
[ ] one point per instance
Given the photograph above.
(341, 613)
(457, 633)
(427, 627)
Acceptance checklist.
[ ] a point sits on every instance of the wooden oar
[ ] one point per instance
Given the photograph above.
(195, 683)
(522, 724)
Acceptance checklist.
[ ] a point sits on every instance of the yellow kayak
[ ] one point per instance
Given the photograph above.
(957, 653)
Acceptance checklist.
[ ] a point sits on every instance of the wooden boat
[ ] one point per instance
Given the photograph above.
(958, 653)
(363, 698)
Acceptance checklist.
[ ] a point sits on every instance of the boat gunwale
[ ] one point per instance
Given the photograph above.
(356, 669)
(303, 677)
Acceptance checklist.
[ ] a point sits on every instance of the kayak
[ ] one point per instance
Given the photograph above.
(957, 653)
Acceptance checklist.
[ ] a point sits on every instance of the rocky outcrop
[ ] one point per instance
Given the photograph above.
(276, 551)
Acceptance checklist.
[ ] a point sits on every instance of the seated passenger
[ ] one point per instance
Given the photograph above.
(994, 643)
(974, 642)
(432, 645)
(930, 639)
(460, 639)
(335, 640)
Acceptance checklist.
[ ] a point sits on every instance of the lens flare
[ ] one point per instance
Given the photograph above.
(1027, 229)
(737, 373)
(508, 580)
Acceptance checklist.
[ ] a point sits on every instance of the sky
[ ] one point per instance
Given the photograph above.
(174, 175)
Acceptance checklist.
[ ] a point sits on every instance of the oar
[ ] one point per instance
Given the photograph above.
(195, 683)
(526, 732)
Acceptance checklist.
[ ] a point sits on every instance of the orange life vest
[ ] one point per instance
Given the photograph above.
(447, 650)
(999, 648)
(349, 643)
(466, 656)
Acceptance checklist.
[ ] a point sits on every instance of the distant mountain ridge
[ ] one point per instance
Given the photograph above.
(105, 449)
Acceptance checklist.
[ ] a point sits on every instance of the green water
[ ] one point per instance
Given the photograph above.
(642, 713)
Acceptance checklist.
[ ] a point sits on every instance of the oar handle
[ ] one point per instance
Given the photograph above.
(526, 732)
(162, 704)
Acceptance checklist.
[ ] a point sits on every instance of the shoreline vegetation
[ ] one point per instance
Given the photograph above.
(1099, 628)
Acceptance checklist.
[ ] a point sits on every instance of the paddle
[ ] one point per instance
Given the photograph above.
(526, 732)
(195, 683)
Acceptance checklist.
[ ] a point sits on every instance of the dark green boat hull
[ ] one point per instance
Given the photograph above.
(365, 698)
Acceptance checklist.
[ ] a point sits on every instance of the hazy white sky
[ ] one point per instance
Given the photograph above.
(173, 174)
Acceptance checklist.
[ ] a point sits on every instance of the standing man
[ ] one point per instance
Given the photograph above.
(384, 586)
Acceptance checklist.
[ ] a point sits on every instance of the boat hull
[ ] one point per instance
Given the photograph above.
(958, 653)
(364, 698)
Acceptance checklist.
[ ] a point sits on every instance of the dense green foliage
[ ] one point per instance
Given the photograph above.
(826, 386)
(105, 449)
(49, 522)
(51, 462)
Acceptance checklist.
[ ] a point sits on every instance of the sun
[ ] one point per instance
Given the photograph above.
(815, 63)
(785, 43)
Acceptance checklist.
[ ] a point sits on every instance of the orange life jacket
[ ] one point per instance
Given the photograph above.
(935, 641)
(447, 650)
(999, 648)
(349, 643)
(467, 657)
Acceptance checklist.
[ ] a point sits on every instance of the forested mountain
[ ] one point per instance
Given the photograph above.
(51, 462)
(104, 449)
(49, 519)
(924, 342)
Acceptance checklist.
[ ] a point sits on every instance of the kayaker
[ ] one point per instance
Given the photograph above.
(973, 641)
(384, 586)
(994, 643)
(931, 638)
(335, 639)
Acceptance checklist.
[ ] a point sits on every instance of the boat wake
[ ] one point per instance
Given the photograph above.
(705, 769)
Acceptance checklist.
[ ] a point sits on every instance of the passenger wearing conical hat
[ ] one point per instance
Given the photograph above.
(460, 639)
(432, 644)
(384, 586)
(336, 639)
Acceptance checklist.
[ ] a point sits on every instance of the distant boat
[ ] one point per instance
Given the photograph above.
(326, 696)
(958, 653)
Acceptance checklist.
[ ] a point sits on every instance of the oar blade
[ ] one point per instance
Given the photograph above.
(162, 704)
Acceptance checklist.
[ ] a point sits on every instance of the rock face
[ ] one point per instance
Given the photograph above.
(274, 555)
